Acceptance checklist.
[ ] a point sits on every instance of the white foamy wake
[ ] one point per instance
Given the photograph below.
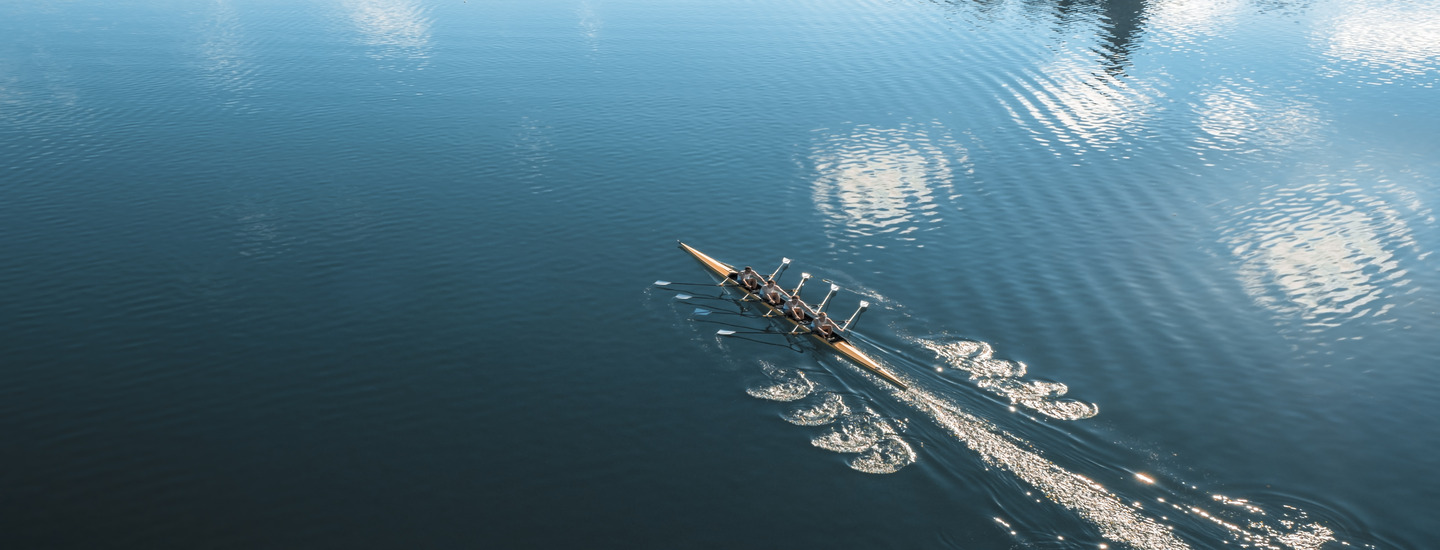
(854, 432)
(1006, 379)
(851, 426)
(823, 410)
(1116, 519)
(886, 456)
(784, 384)
(875, 438)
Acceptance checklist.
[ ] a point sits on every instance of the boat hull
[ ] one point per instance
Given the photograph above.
(839, 344)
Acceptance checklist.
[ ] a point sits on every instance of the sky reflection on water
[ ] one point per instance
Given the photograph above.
(875, 182)
(393, 30)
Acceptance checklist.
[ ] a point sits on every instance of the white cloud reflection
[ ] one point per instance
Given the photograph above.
(395, 30)
(1235, 116)
(1079, 104)
(878, 181)
(227, 60)
(590, 26)
(1179, 24)
(1396, 40)
(1325, 252)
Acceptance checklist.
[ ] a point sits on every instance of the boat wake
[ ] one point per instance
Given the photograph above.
(849, 428)
(1126, 507)
(1005, 378)
(786, 385)
(1139, 510)
(1058, 481)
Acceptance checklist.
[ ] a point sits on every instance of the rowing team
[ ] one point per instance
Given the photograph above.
(791, 305)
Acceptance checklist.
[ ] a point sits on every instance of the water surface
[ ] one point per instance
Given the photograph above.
(377, 273)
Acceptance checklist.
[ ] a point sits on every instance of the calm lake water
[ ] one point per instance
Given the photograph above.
(379, 273)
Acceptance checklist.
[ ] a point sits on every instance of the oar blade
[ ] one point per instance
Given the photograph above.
(724, 333)
(701, 311)
(662, 283)
(683, 296)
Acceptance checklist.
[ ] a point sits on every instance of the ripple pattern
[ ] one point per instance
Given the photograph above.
(228, 59)
(396, 31)
(1389, 43)
(880, 186)
(1323, 251)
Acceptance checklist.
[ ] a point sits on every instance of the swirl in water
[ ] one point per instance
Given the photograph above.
(829, 407)
(886, 456)
(872, 436)
(853, 433)
(786, 385)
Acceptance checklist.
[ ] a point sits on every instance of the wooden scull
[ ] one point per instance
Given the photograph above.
(838, 342)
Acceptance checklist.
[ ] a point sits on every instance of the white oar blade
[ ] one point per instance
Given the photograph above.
(683, 296)
(701, 311)
(724, 332)
(662, 283)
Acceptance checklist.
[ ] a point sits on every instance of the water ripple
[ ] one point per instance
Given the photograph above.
(1325, 251)
(227, 59)
(1384, 43)
(882, 185)
(396, 31)
(1237, 117)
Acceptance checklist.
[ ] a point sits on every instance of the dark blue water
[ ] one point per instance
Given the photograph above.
(378, 273)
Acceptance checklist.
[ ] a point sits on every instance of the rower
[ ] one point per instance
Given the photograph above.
(823, 325)
(796, 309)
(771, 293)
(748, 278)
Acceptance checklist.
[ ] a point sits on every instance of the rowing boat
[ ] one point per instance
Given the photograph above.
(728, 278)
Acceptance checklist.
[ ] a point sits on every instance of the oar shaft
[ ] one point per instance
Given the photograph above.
(784, 263)
(833, 290)
(803, 278)
(863, 306)
(668, 283)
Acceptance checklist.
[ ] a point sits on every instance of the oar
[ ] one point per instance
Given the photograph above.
(784, 263)
(668, 283)
(703, 312)
(863, 306)
(833, 289)
(723, 324)
(734, 332)
(803, 278)
(689, 297)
